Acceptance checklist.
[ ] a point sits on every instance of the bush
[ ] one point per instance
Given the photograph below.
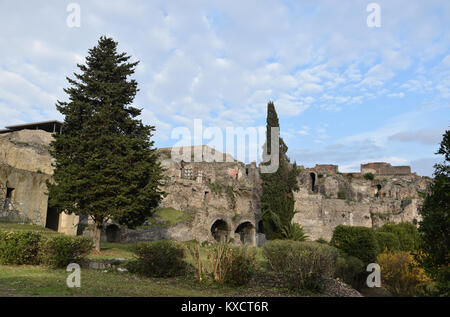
(407, 234)
(369, 176)
(387, 241)
(59, 251)
(242, 267)
(355, 241)
(158, 259)
(19, 247)
(400, 273)
(342, 194)
(303, 264)
(351, 270)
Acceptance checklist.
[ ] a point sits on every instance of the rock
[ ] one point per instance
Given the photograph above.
(337, 288)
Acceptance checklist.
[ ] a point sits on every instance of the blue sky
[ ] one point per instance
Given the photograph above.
(345, 93)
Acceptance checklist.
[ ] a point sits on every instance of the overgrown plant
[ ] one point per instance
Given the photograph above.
(194, 251)
(220, 259)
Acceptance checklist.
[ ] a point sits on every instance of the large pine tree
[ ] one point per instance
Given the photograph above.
(105, 166)
(277, 200)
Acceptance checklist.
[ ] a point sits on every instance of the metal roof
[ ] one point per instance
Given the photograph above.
(49, 126)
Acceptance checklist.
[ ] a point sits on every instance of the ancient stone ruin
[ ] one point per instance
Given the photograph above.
(216, 200)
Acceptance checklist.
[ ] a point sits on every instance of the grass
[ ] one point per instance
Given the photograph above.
(11, 226)
(27, 280)
(111, 250)
(41, 281)
(168, 217)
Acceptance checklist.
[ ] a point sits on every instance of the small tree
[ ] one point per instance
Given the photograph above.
(435, 224)
(105, 166)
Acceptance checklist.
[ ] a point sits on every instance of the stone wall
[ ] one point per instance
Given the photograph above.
(25, 167)
(349, 200)
(382, 168)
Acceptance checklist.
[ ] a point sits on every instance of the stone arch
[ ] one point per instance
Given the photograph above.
(220, 230)
(245, 232)
(313, 180)
(112, 233)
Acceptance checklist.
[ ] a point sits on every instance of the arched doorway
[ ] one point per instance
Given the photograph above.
(260, 227)
(112, 233)
(377, 190)
(246, 232)
(52, 220)
(313, 180)
(220, 230)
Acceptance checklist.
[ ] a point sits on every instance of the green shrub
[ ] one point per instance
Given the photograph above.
(242, 267)
(19, 247)
(369, 176)
(59, 251)
(356, 241)
(351, 270)
(342, 194)
(387, 241)
(302, 264)
(158, 259)
(407, 234)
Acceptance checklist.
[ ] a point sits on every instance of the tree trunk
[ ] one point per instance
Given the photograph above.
(98, 226)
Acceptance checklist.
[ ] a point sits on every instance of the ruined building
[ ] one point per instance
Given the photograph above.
(213, 200)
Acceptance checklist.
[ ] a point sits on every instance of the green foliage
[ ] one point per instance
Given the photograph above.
(105, 165)
(158, 259)
(277, 201)
(387, 241)
(443, 282)
(342, 194)
(369, 176)
(294, 232)
(303, 264)
(356, 241)
(435, 225)
(322, 240)
(19, 247)
(351, 270)
(407, 234)
(59, 251)
(401, 274)
(242, 266)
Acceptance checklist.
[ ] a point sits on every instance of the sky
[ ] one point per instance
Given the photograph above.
(346, 93)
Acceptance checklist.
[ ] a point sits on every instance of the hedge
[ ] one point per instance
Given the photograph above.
(19, 247)
(59, 251)
(158, 259)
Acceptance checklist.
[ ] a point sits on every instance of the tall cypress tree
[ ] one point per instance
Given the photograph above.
(105, 166)
(277, 200)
